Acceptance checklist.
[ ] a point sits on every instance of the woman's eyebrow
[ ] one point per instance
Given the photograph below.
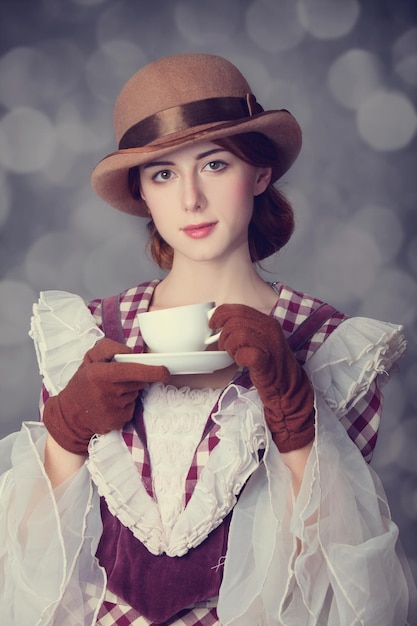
(202, 155)
(158, 164)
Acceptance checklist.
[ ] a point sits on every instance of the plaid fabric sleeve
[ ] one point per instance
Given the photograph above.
(363, 419)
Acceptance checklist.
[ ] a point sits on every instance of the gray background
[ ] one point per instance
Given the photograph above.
(347, 69)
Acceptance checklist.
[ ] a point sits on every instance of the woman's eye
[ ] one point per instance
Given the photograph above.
(162, 176)
(215, 166)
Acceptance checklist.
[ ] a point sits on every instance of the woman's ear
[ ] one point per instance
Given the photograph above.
(148, 213)
(262, 180)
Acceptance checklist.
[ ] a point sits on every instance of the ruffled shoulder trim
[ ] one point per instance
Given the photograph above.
(233, 460)
(346, 364)
(62, 329)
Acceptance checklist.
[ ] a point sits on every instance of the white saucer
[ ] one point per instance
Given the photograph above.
(181, 362)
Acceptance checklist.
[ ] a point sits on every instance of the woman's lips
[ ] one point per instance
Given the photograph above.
(199, 231)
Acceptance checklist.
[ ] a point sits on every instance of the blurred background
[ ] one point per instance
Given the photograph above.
(347, 69)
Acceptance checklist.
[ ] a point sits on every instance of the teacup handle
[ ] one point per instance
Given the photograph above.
(212, 338)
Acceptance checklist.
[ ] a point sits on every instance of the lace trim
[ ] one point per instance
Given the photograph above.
(174, 420)
(234, 459)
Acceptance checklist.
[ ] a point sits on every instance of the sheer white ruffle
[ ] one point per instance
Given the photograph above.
(356, 353)
(62, 329)
(347, 572)
(241, 434)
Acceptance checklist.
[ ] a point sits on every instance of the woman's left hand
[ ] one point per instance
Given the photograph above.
(256, 341)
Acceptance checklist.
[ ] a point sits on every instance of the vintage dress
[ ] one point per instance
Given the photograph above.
(340, 514)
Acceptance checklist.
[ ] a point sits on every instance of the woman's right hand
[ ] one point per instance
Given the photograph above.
(100, 397)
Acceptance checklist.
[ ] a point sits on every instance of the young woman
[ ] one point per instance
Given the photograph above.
(239, 496)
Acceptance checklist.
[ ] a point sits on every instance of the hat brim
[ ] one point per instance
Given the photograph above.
(110, 176)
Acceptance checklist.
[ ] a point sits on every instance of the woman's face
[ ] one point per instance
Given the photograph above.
(201, 199)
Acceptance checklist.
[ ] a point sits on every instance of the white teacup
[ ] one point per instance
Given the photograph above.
(178, 329)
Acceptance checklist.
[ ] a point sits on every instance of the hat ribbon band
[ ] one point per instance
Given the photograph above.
(187, 116)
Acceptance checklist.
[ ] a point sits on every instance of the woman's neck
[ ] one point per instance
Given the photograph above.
(223, 282)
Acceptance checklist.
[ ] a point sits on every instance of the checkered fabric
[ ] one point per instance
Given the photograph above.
(131, 302)
(139, 452)
(363, 420)
(207, 444)
(115, 612)
(293, 308)
(137, 446)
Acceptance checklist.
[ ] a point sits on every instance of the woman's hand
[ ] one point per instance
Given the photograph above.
(256, 341)
(100, 397)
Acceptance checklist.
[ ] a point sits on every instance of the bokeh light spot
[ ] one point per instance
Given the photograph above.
(412, 255)
(347, 261)
(405, 56)
(409, 429)
(27, 140)
(89, 3)
(387, 120)
(16, 305)
(19, 69)
(353, 76)
(55, 261)
(6, 197)
(392, 297)
(118, 263)
(205, 23)
(111, 65)
(385, 228)
(328, 19)
(148, 27)
(34, 76)
(95, 221)
(410, 378)
(273, 26)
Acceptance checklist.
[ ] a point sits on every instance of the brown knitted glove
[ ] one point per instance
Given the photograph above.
(100, 397)
(256, 341)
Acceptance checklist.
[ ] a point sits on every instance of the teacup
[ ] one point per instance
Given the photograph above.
(178, 329)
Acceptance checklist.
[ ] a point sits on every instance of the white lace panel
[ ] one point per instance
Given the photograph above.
(174, 420)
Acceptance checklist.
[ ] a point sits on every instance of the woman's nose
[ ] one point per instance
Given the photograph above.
(193, 196)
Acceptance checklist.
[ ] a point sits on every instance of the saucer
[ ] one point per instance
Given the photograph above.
(181, 362)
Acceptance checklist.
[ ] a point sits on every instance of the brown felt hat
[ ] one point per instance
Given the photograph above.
(182, 99)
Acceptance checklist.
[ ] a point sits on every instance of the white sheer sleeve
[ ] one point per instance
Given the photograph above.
(347, 571)
(48, 573)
